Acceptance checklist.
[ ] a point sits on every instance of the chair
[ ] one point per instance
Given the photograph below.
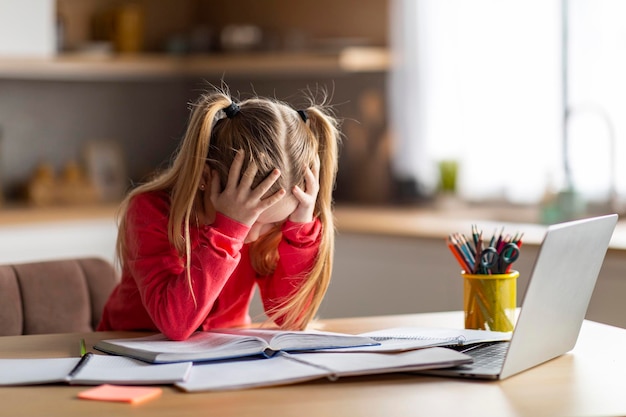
(59, 296)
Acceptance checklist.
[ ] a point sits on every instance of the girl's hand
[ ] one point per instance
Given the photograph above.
(307, 197)
(239, 200)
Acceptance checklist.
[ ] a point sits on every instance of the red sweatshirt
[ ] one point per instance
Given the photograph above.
(154, 292)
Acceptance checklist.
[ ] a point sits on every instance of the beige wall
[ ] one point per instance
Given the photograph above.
(50, 121)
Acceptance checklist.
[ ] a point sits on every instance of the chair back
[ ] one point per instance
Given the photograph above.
(60, 296)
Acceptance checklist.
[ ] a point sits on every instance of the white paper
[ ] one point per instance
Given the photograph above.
(248, 373)
(226, 344)
(399, 339)
(102, 369)
(98, 369)
(343, 364)
(289, 368)
(35, 371)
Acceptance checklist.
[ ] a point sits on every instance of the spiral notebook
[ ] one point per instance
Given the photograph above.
(555, 304)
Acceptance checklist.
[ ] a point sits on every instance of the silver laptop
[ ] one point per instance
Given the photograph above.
(555, 304)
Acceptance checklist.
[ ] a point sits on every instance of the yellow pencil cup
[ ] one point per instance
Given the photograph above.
(489, 301)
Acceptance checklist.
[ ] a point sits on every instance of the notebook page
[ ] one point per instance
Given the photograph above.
(400, 339)
(35, 371)
(198, 342)
(249, 373)
(101, 369)
(303, 339)
(368, 363)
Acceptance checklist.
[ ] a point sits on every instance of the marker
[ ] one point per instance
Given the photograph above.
(83, 347)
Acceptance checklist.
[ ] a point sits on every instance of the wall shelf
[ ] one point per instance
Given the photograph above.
(80, 67)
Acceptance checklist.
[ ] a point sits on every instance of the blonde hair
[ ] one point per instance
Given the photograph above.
(273, 135)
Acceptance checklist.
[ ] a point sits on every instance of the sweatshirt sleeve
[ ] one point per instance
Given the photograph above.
(160, 272)
(297, 251)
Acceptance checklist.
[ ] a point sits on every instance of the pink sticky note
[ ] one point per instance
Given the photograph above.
(133, 395)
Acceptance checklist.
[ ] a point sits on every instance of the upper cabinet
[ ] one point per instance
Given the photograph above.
(108, 39)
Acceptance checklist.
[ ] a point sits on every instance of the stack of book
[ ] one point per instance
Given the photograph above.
(246, 358)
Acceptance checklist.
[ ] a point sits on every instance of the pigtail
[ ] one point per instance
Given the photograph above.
(264, 251)
(182, 178)
(298, 311)
(189, 164)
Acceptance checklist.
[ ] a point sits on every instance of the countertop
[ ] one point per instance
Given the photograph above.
(440, 222)
(409, 221)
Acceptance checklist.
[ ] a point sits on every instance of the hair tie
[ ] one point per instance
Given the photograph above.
(303, 115)
(231, 110)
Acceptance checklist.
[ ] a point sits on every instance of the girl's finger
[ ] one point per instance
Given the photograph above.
(248, 176)
(271, 200)
(316, 167)
(300, 195)
(235, 170)
(215, 186)
(311, 181)
(266, 184)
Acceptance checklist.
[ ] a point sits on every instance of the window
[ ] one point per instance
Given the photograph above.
(481, 82)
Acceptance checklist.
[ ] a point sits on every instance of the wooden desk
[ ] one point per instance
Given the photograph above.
(585, 382)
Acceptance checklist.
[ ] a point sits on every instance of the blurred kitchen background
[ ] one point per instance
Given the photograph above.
(105, 85)
(517, 102)
(496, 110)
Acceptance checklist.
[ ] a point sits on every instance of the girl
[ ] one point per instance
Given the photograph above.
(247, 200)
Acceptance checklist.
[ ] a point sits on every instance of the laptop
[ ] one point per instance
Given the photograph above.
(554, 306)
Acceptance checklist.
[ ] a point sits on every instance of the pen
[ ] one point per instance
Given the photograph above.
(459, 255)
(493, 238)
(465, 244)
(84, 357)
(479, 251)
(83, 360)
(470, 252)
(465, 250)
(475, 236)
(498, 244)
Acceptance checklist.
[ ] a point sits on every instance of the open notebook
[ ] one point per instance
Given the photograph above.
(290, 368)
(90, 370)
(222, 344)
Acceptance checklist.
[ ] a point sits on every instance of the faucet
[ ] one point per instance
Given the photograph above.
(613, 197)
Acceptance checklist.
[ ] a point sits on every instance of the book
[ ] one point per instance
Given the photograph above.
(90, 369)
(290, 368)
(228, 344)
(398, 339)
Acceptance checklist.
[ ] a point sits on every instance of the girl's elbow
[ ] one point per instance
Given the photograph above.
(177, 334)
(176, 330)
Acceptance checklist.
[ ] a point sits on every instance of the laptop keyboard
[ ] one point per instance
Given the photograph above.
(485, 355)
